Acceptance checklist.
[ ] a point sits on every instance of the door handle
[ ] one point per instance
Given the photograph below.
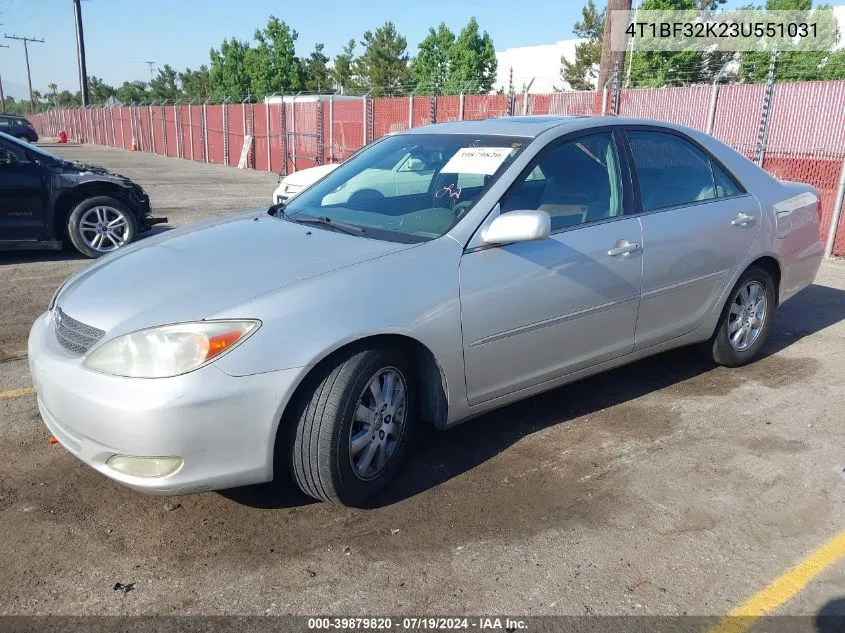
(743, 220)
(623, 247)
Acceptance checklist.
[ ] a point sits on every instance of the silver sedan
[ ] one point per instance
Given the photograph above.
(436, 275)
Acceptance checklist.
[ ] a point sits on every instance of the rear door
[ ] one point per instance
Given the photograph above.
(21, 194)
(698, 226)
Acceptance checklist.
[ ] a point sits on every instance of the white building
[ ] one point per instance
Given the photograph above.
(540, 63)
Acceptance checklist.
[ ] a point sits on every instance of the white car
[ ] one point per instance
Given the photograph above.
(300, 180)
(398, 174)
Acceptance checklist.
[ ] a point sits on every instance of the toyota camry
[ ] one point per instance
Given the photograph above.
(437, 274)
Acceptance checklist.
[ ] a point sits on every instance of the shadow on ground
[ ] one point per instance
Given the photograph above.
(68, 254)
(831, 617)
(438, 457)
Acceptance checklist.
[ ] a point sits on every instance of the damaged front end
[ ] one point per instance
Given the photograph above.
(68, 176)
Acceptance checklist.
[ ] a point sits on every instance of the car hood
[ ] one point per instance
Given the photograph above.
(194, 273)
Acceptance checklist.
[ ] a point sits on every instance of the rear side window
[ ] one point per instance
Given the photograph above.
(671, 171)
(725, 185)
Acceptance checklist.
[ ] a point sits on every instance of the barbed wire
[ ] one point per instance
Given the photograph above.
(748, 71)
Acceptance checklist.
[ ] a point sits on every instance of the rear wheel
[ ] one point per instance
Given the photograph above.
(746, 319)
(99, 225)
(352, 428)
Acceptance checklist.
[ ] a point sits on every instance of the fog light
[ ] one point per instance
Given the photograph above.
(145, 466)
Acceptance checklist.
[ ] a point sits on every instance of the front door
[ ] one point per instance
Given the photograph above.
(21, 195)
(698, 226)
(534, 311)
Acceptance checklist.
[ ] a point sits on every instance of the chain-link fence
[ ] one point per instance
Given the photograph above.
(796, 131)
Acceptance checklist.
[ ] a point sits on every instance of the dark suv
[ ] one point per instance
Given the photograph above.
(18, 127)
(46, 201)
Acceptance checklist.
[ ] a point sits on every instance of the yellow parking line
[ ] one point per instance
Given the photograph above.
(783, 588)
(16, 393)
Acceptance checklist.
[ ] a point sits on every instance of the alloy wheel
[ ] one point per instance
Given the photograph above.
(104, 228)
(378, 423)
(747, 315)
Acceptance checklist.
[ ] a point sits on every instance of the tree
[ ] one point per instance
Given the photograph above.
(342, 71)
(164, 87)
(472, 61)
(228, 74)
(239, 69)
(53, 88)
(98, 90)
(66, 99)
(196, 84)
(653, 69)
(273, 66)
(383, 66)
(796, 65)
(430, 68)
(581, 73)
(315, 71)
(133, 92)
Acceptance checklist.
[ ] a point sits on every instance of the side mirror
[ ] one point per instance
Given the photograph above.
(518, 226)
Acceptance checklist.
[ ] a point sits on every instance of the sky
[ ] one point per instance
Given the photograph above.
(120, 35)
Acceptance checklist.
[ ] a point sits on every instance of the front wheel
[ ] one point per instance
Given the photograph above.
(352, 428)
(99, 225)
(746, 319)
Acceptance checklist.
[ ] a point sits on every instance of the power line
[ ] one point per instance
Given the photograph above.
(25, 41)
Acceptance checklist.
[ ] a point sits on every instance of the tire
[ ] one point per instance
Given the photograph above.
(734, 320)
(84, 237)
(321, 457)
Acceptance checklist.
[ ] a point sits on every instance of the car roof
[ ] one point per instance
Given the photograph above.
(533, 125)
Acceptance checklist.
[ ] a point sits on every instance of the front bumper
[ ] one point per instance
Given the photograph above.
(222, 427)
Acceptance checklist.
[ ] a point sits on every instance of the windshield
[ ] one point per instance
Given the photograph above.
(409, 187)
(30, 148)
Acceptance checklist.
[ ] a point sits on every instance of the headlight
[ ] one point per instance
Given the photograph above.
(169, 350)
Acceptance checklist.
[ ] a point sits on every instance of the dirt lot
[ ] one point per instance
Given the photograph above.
(666, 487)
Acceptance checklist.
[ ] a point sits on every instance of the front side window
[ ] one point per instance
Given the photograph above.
(410, 187)
(671, 171)
(10, 149)
(575, 182)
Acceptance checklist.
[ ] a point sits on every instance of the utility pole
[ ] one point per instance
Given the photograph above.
(610, 60)
(80, 53)
(2, 96)
(25, 40)
(151, 69)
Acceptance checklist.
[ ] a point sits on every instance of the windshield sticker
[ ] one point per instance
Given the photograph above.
(453, 192)
(476, 160)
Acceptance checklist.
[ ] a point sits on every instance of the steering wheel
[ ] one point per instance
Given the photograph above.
(461, 208)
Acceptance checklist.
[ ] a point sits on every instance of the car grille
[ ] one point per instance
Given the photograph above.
(74, 336)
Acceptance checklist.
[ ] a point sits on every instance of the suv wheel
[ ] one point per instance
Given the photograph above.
(100, 225)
